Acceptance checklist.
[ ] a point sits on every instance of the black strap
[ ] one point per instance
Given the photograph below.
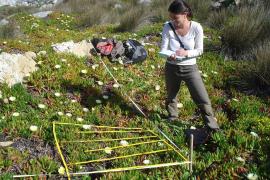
(181, 44)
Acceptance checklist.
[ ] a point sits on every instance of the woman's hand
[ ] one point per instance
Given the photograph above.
(172, 57)
(181, 52)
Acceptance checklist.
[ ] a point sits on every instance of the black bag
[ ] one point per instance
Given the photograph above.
(134, 52)
(131, 50)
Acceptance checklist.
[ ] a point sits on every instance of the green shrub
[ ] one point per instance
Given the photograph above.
(218, 19)
(244, 31)
(8, 30)
(262, 65)
(131, 20)
(6, 11)
(200, 9)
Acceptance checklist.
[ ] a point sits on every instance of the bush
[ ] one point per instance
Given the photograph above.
(262, 65)
(90, 12)
(200, 9)
(8, 30)
(243, 31)
(218, 19)
(131, 19)
(6, 11)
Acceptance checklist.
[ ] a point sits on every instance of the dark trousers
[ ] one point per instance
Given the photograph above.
(174, 75)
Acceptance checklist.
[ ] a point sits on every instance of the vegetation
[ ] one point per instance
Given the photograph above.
(62, 94)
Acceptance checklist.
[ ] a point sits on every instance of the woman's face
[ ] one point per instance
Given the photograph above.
(178, 19)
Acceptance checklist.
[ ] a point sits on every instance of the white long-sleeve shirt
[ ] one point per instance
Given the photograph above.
(192, 41)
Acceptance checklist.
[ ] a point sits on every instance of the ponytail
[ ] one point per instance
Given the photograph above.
(189, 11)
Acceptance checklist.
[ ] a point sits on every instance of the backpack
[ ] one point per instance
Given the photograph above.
(131, 51)
(134, 52)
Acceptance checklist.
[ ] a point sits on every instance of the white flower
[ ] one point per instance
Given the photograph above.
(146, 161)
(157, 87)
(39, 62)
(192, 127)
(204, 75)
(93, 109)
(95, 66)
(79, 119)
(152, 66)
(73, 100)
(254, 134)
(68, 114)
(5, 42)
(84, 71)
(6, 101)
(234, 99)
(105, 97)
(16, 114)
(98, 101)
(252, 176)
(86, 126)
(61, 170)
(120, 61)
(116, 85)
(41, 106)
(123, 143)
(3, 117)
(115, 68)
(180, 105)
(214, 72)
(63, 60)
(60, 113)
(68, 65)
(12, 98)
(108, 150)
(57, 94)
(40, 53)
(240, 159)
(33, 128)
(100, 83)
(57, 66)
(85, 110)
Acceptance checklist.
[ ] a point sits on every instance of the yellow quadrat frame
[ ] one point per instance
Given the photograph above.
(170, 147)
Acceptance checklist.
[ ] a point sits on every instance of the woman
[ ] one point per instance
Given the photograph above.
(190, 45)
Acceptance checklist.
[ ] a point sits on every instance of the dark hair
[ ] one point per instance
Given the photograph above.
(180, 6)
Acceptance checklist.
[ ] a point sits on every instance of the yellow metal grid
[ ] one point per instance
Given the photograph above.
(68, 166)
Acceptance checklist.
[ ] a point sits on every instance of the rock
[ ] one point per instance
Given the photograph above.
(31, 55)
(118, 6)
(145, 1)
(6, 143)
(42, 14)
(14, 67)
(237, 2)
(216, 5)
(8, 2)
(80, 49)
(28, 2)
(4, 22)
